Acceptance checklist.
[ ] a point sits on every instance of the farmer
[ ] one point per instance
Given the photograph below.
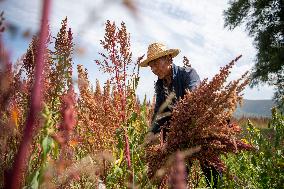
(172, 84)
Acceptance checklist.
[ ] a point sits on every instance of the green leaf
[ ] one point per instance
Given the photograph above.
(121, 157)
(118, 171)
(47, 144)
(56, 149)
(133, 117)
(35, 180)
(253, 161)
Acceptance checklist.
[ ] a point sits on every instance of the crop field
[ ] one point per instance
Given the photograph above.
(61, 132)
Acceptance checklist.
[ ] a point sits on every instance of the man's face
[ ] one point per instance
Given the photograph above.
(160, 67)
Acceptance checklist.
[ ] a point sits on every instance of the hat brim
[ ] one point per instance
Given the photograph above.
(173, 52)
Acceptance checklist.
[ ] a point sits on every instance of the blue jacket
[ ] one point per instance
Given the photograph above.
(183, 78)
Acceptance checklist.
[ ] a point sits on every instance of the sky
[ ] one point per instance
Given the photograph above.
(196, 27)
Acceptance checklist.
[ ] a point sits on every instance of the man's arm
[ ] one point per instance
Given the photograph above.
(191, 79)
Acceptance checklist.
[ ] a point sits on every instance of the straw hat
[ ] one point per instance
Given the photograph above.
(157, 50)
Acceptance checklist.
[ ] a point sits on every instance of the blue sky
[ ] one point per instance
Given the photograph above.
(196, 27)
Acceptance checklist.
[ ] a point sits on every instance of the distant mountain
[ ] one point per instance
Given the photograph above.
(255, 108)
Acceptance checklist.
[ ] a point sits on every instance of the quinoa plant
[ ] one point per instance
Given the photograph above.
(200, 119)
(262, 167)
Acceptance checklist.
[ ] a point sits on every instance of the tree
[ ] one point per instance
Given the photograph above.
(264, 21)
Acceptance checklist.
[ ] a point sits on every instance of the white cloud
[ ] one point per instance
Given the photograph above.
(195, 27)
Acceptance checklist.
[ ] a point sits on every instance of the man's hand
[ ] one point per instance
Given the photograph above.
(151, 139)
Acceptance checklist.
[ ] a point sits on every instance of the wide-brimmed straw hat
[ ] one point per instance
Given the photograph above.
(157, 50)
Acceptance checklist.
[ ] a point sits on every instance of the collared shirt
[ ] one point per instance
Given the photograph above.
(183, 78)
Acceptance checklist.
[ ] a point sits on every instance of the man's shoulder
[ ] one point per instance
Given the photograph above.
(159, 83)
(183, 69)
